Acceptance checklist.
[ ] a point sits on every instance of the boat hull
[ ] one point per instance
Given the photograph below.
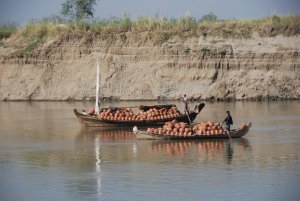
(144, 135)
(87, 120)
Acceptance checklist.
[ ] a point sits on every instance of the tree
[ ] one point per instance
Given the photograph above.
(209, 17)
(78, 9)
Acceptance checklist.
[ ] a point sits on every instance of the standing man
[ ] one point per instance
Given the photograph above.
(185, 103)
(228, 121)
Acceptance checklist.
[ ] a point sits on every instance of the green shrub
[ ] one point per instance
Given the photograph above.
(205, 50)
(7, 30)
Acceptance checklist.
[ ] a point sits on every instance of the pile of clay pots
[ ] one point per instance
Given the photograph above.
(126, 114)
(172, 128)
(208, 128)
(183, 129)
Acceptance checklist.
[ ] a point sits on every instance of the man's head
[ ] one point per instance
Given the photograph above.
(227, 112)
(184, 95)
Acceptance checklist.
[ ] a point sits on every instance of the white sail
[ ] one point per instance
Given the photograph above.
(97, 104)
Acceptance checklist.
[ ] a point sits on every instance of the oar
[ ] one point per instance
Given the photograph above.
(188, 115)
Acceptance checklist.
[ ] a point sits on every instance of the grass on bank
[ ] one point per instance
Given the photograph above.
(7, 30)
(158, 30)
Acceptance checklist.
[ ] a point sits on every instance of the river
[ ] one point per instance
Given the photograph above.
(46, 155)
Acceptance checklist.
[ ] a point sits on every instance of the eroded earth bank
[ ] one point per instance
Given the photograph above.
(132, 66)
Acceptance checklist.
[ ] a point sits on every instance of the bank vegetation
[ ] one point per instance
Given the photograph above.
(158, 29)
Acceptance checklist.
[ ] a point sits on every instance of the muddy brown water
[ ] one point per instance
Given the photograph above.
(46, 155)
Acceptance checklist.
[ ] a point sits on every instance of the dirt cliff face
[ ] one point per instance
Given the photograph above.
(134, 67)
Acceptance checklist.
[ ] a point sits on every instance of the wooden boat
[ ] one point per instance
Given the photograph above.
(87, 120)
(92, 120)
(104, 119)
(144, 135)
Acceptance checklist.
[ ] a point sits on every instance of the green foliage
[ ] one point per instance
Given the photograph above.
(78, 9)
(205, 50)
(35, 30)
(275, 19)
(187, 23)
(34, 44)
(34, 34)
(159, 30)
(125, 23)
(209, 18)
(187, 50)
(7, 30)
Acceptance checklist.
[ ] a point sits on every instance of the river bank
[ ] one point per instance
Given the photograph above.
(137, 66)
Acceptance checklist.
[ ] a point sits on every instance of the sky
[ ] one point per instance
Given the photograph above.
(21, 12)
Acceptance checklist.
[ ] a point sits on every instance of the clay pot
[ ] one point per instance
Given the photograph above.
(182, 125)
(198, 132)
(217, 124)
(243, 125)
(195, 128)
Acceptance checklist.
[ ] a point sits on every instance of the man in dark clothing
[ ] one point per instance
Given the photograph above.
(228, 120)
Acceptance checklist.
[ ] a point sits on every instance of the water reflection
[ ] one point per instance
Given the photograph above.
(45, 155)
(106, 134)
(210, 149)
(229, 152)
(207, 148)
(96, 139)
(98, 166)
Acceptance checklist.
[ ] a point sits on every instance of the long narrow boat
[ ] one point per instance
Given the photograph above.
(92, 120)
(144, 135)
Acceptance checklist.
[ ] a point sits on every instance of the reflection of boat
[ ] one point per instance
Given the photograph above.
(87, 120)
(209, 147)
(107, 134)
(151, 136)
(179, 147)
